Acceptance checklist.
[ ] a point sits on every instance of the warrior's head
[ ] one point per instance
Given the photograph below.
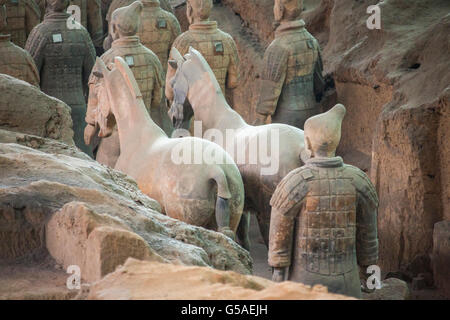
(56, 5)
(2, 15)
(198, 10)
(323, 132)
(287, 10)
(125, 21)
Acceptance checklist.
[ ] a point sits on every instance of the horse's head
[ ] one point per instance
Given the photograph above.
(99, 100)
(115, 86)
(189, 70)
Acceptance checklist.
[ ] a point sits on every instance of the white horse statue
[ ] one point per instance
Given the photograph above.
(194, 80)
(206, 195)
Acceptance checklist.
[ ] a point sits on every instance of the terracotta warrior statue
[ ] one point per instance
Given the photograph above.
(15, 61)
(147, 71)
(158, 30)
(23, 16)
(324, 215)
(64, 58)
(164, 4)
(216, 46)
(91, 18)
(291, 80)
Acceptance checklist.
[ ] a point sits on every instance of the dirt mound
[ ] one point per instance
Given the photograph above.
(24, 108)
(156, 281)
(78, 212)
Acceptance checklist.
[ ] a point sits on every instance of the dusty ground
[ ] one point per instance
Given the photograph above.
(150, 280)
(40, 281)
(258, 252)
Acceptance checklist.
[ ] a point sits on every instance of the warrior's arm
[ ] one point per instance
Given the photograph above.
(175, 31)
(366, 222)
(233, 74)
(35, 45)
(88, 64)
(33, 74)
(95, 22)
(281, 237)
(272, 79)
(158, 85)
(92, 102)
(33, 15)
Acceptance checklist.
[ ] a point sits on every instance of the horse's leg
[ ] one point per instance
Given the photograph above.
(244, 229)
(223, 215)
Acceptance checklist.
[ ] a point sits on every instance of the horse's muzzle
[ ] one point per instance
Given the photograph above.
(176, 114)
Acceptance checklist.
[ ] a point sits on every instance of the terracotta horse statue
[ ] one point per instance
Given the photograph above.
(195, 81)
(209, 195)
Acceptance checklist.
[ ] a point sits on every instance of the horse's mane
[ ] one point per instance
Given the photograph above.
(128, 76)
(197, 57)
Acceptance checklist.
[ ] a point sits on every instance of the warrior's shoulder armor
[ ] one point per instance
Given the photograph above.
(183, 41)
(274, 61)
(292, 189)
(362, 183)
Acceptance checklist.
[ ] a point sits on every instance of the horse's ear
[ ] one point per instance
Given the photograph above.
(127, 74)
(176, 55)
(173, 64)
(195, 55)
(193, 52)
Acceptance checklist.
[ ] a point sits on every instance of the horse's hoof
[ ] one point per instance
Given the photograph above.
(228, 232)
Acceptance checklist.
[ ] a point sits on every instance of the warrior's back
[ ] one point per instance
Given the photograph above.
(64, 57)
(298, 88)
(320, 212)
(17, 62)
(326, 230)
(218, 49)
(22, 15)
(143, 63)
(158, 31)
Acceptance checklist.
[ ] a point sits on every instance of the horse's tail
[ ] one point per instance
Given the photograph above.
(223, 212)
